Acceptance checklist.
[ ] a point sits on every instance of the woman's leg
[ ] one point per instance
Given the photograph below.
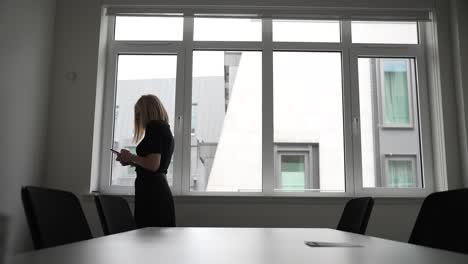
(154, 204)
(145, 203)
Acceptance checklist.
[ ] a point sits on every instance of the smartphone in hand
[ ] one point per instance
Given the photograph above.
(115, 151)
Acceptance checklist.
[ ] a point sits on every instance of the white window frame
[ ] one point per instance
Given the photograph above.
(416, 51)
(350, 52)
(115, 48)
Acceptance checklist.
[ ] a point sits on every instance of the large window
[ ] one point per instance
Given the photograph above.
(262, 106)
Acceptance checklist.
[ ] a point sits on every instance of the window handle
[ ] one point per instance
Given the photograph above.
(179, 121)
(355, 125)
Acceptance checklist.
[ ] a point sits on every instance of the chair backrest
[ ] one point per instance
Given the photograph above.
(4, 236)
(54, 217)
(115, 214)
(356, 215)
(443, 221)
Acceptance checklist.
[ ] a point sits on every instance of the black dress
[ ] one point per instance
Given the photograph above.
(154, 205)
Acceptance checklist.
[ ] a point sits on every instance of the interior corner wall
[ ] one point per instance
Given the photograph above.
(459, 26)
(26, 44)
(73, 95)
(448, 94)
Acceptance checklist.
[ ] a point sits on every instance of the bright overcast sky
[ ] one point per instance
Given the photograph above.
(132, 67)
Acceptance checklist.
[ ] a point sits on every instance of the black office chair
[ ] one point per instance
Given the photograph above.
(54, 217)
(115, 214)
(443, 221)
(356, 215)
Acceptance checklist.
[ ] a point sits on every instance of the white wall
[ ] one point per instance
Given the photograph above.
(444, 119)
(71, 134)
(72, 102)
(26, 30)
(391, 218)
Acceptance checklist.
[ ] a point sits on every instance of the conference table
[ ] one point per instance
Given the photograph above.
(239, 246)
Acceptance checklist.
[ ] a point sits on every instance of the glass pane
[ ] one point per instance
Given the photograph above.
(308, 110)
(379, 140)
(226, 149)
(139, 75)
(384, 32)
(227, 29)
(396, 93)
(194, 117)
(293, 172)
(401, 174)
(306, 31)
(148, 28)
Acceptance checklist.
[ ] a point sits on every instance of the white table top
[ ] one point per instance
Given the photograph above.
(237, 246)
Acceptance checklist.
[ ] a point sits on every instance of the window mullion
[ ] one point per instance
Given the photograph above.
(186, 141)
(108, 115)
(105, 180)
(349, 113)
(424, 123)
(268, 163)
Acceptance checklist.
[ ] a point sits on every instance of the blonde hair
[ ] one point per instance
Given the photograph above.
(147, 108)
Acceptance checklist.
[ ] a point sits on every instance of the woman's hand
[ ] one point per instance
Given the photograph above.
(125, 163)
(125, 156)
(150, 162)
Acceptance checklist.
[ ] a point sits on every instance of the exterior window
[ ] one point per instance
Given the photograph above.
(270, 106)
(293, 172)
(401, 172)
(396, 93)
(297, 167)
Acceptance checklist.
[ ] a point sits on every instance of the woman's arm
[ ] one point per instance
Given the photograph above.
(123, 163)
(150, 162)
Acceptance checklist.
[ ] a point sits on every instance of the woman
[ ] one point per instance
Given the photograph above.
(154, 205)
